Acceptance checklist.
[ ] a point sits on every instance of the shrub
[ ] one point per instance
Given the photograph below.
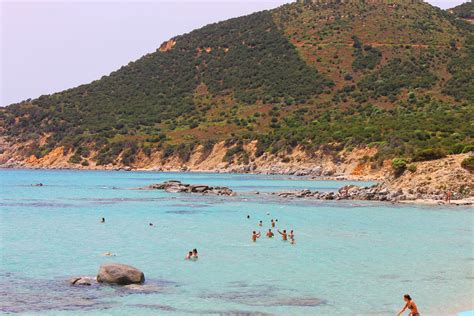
(167, 152)
(457, 148)
(399, 166)
(231, 152)
(412, 168)
(429, 154)
(184, 151)
(75, 158)
(468, 163)
(468, 149)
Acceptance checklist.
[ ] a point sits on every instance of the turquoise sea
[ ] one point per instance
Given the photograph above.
(350, 258)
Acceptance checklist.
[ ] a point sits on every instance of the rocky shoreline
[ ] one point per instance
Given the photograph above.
(316, 172)
(378, 192)
(425, 182)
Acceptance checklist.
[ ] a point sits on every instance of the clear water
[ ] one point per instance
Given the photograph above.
(350, 258)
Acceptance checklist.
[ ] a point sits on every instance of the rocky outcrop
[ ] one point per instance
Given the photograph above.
(174, 186)
(378, 192)
(166, 46)
(122, 274)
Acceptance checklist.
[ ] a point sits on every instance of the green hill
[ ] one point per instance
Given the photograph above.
(396, 75)
(464, 11)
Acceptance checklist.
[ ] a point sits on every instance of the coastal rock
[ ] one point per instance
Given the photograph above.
(122, 274)
(175, 186)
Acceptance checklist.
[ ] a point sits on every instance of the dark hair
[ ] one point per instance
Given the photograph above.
(269, 229)
(254, 232)
(284, 230)
(195, 250)
(407, 297)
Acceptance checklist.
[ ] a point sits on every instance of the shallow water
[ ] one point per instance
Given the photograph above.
(349, 257)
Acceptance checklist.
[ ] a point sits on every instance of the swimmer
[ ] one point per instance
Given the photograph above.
(292, 235)
(273, 223)
(260, 223)
(108, 254)
(410, 305)
(248, 216)
(102, 220)
(195, 254)
(151, 224)
(189, 255)
(283, 235)
(270, 234)
(255, 236)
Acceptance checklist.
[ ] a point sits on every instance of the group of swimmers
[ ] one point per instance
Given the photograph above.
(192, 255)
(284, 235)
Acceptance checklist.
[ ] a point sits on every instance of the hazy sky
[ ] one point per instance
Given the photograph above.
(49, 46)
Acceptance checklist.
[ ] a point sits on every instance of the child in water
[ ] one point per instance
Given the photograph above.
(255, 236)
(195, 254)
(189, 255)
(292, 237)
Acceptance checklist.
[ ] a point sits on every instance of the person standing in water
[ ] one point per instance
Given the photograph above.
(270, 233)
(102, 220)
(273, 223)
(260, 223)
(410, 305)
(283, 235)
(255, 236)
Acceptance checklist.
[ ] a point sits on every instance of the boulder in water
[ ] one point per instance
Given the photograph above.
(122, 274)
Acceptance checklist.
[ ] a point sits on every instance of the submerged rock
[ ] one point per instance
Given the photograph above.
(122, 274)
(77, 281)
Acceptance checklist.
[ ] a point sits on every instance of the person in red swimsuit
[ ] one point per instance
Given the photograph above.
(410, 305)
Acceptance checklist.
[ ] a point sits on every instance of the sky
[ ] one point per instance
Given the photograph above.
(49, 46)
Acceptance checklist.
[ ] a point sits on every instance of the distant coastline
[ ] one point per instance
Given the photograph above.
(428, 184)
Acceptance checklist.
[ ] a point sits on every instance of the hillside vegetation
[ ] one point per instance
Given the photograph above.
(321, 77)
(465, 10)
